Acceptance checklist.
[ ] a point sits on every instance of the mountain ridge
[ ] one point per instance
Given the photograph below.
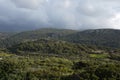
(99, 37)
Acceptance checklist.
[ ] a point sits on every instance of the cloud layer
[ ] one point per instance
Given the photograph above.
(71, 14)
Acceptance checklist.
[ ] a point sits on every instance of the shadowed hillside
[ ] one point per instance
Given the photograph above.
(98, 37)
(58, 54)
(47, 33)
(50, 47)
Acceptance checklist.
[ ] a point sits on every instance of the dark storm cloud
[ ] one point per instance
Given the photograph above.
(73, 14)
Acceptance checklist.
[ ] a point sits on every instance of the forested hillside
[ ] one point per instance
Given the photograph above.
(47, 33)
(58, 54)
(98, 37)
(4, 35)
(48, 59)
(51, 47)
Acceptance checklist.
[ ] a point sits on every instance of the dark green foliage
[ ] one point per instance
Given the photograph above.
(98, 37)
(50, 46)
(43, 55)
(4, 35)
(52, 67)
(95, 72)
(80, 65)
(47, 33)
(110, 71)
(34, 68)
(115, 56)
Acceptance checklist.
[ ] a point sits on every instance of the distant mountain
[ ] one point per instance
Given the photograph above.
(48, 33)
(99, 37)
(4, 35)
(44, 33)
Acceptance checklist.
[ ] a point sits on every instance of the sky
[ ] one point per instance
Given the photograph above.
(68, 14)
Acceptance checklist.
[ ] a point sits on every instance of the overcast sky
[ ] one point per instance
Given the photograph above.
(71, 14)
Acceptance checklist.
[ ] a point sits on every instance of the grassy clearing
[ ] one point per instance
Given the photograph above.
(2, 54)
(98, 55)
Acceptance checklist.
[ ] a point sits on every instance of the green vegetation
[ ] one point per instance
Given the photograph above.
(99, 37)
(47, 33)
(4, 35)
(99, 55)
(51, 54)
(52, 67)
(50, 47)
(29, 68)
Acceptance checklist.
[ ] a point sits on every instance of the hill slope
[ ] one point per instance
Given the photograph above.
(4, 35)
(99, 37)
(48, 33)
(50, 46)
